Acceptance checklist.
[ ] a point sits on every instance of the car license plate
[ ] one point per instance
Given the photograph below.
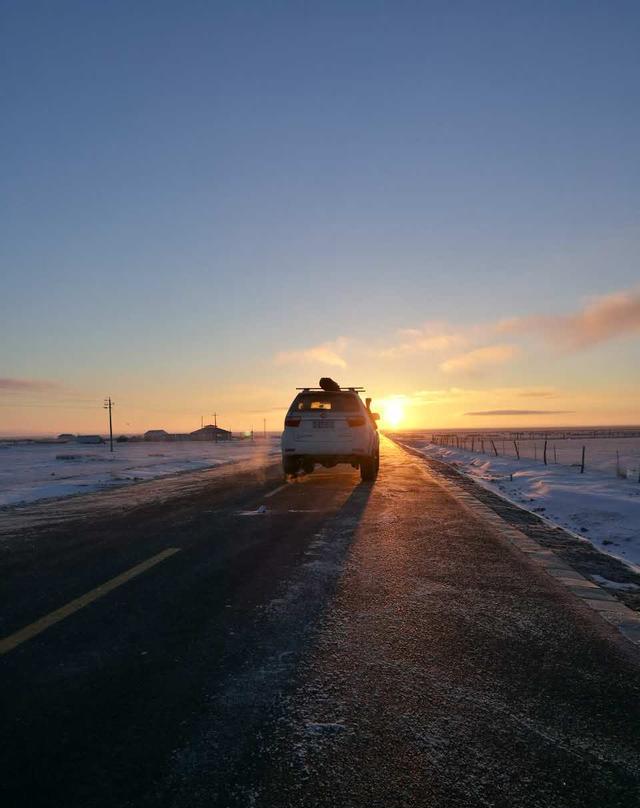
(323, 425)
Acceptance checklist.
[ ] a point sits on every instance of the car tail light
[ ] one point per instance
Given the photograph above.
(357, 421)
(292, 421)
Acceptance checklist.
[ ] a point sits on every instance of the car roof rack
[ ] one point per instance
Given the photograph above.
(342, 390)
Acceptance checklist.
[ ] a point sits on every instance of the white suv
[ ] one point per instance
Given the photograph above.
(330, 426)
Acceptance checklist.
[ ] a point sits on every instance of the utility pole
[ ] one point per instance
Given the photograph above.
(215, 423)
(108, 404)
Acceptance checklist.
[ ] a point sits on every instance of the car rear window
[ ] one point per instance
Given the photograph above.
(336, 402)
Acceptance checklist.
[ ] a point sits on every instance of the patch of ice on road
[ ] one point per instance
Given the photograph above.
(262, 510)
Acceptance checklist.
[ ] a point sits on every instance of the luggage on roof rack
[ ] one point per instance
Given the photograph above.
(328, 385)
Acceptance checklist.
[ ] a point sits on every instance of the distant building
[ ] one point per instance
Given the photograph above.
(211, 432)
(89, 439)
(157, 434)
(66, 436)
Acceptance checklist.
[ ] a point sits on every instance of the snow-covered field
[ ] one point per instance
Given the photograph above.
(596, 505)
(29, 472)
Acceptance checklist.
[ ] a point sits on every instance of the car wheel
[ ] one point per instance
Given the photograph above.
(368, 469)
(289, 466)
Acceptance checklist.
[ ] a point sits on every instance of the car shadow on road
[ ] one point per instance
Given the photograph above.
(248, 703)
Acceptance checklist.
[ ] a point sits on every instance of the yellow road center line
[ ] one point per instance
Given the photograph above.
(33, 629)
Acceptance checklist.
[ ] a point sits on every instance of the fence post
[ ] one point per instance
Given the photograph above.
(473, 444)
(495, 451)
(555, 454)
(582, 464)
(515, 444)
(545, 452)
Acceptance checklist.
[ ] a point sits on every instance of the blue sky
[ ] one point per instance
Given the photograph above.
(192, 190)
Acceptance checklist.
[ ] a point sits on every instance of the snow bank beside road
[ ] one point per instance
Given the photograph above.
(594, 505)
(29, 472)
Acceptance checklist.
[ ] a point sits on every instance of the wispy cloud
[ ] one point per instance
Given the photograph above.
(474, 360)
(431, 338)
(327, 353)
(467, 348)
(460, 394)
(602, 319)
(11, 385)
(521, 412)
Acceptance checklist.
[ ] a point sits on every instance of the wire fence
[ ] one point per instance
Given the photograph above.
(613, 454)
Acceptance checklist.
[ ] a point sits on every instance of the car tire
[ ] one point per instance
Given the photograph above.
(289, 466)
(368, 469)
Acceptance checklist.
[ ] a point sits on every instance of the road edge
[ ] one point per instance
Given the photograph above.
(621, 617)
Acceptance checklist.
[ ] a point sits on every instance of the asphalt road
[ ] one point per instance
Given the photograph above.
(355, 645)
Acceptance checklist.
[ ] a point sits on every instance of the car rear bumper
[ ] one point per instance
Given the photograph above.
(325, 458)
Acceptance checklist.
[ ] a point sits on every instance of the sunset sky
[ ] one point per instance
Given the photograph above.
(205, 205)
